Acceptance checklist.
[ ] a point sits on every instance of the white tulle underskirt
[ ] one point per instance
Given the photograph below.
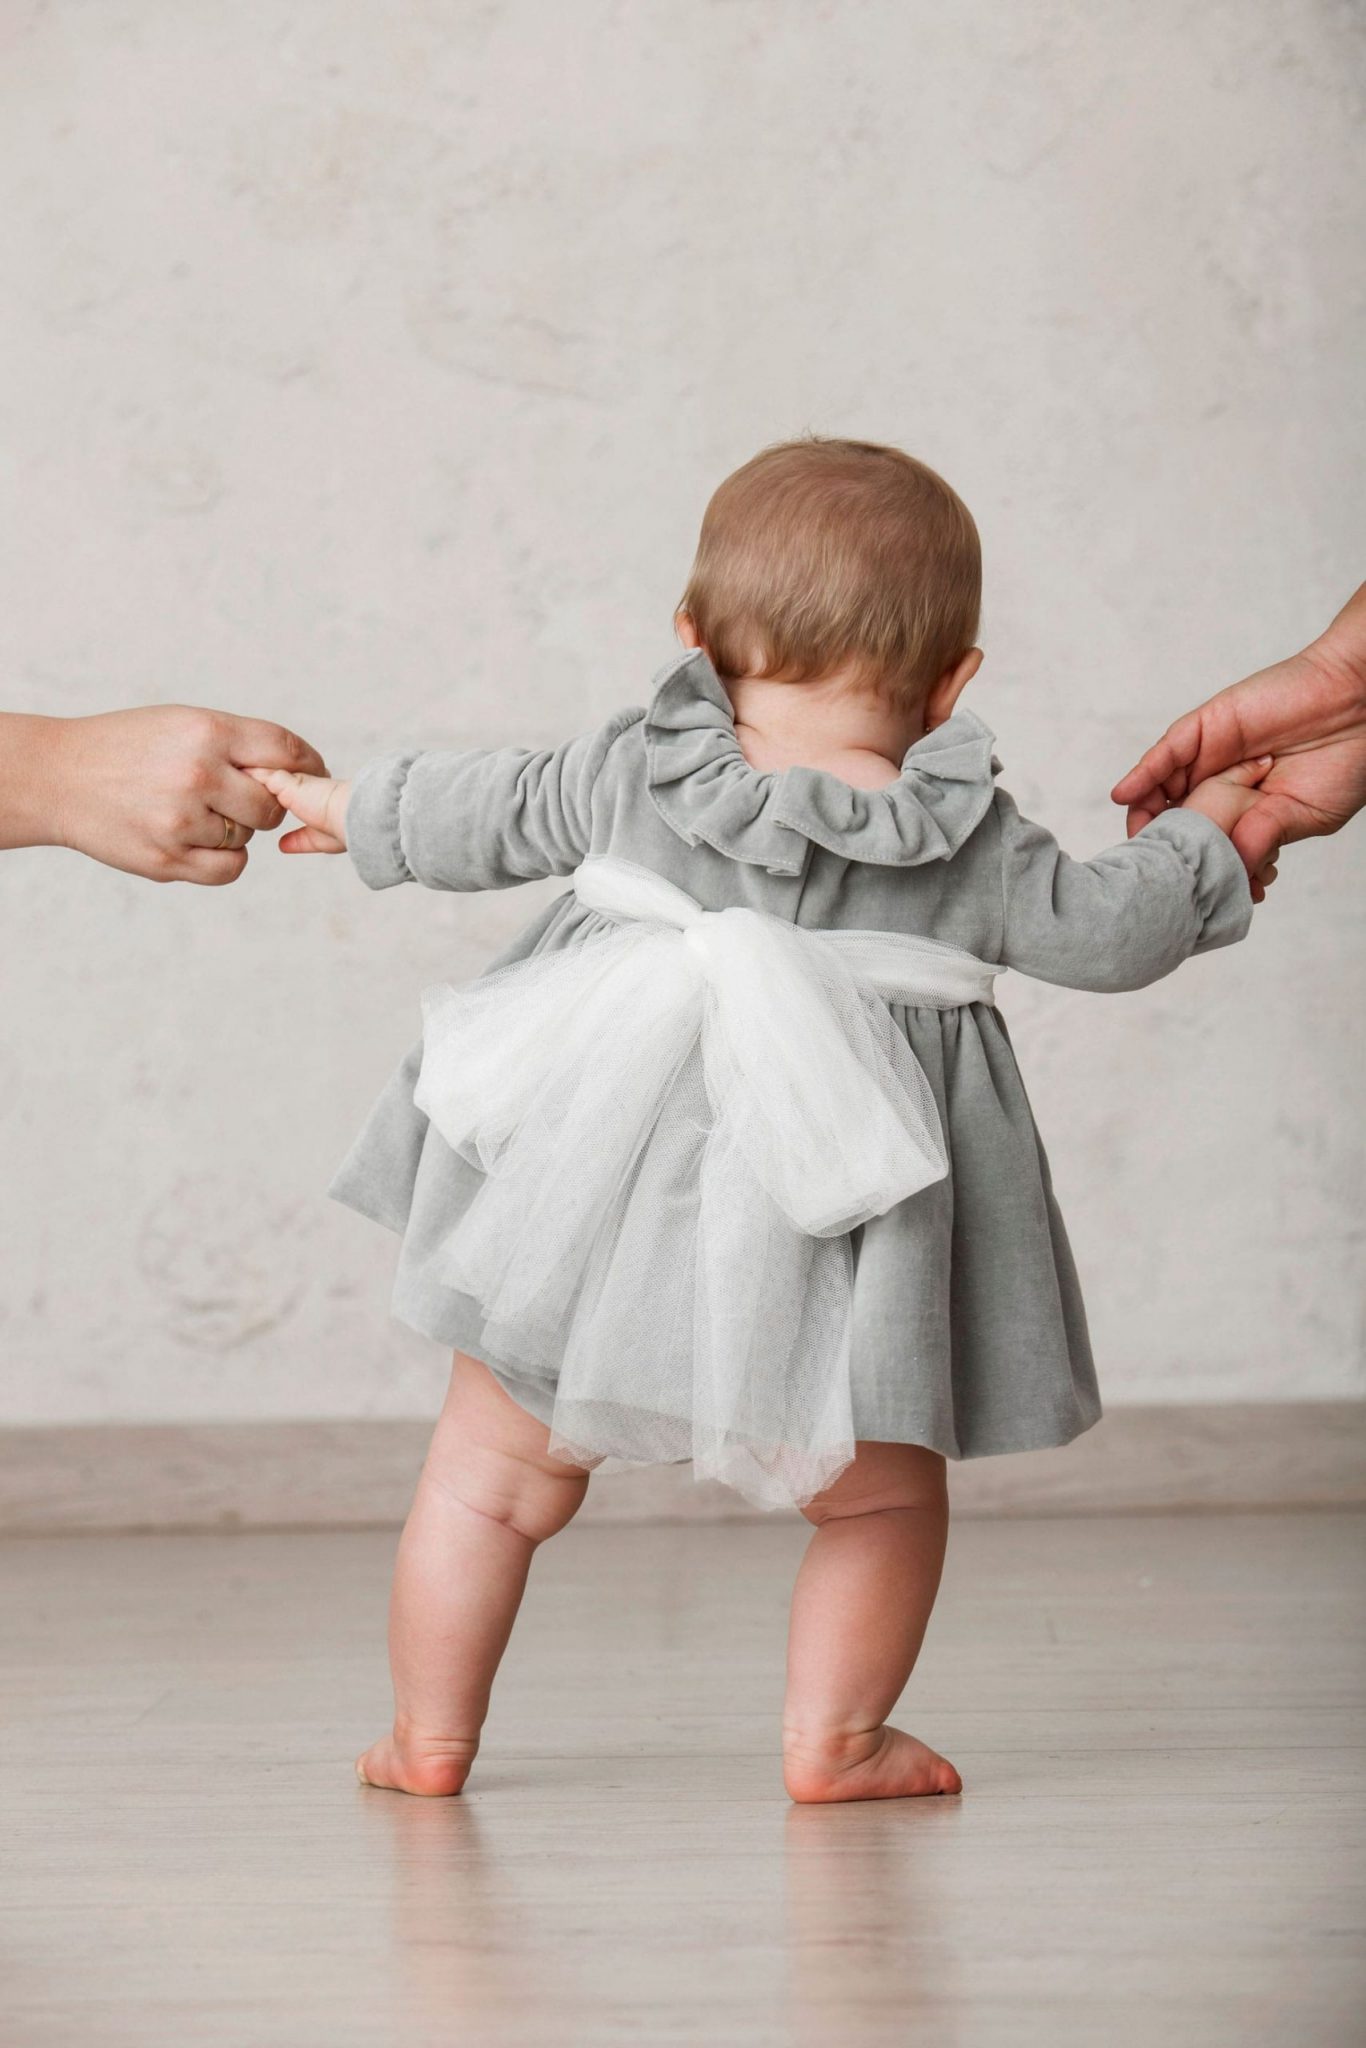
(726, 1061)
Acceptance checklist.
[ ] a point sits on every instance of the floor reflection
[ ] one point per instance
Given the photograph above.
(491, 1937)
(866, 1905)
(464, 1916)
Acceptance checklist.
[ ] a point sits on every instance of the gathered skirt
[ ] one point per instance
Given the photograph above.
(969, 1333)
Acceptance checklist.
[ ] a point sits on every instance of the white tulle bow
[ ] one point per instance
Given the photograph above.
(680, 1120)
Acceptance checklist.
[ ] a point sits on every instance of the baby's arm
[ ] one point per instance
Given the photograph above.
(1135, 912)
(482, 819)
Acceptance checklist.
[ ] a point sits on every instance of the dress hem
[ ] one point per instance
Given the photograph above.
(535, 1394)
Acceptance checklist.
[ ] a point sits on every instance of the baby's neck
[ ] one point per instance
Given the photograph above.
(832, 723)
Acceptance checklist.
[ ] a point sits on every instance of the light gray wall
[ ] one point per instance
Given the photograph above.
(369, 367)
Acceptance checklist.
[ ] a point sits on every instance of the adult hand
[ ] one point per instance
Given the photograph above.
(161, 791)
(1308, 712)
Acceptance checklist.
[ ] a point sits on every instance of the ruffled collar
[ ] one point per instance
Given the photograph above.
(705, 789)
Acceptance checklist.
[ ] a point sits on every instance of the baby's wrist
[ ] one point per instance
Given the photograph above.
(1220, 807)
(338, 803)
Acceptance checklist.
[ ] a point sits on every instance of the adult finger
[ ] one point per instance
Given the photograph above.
(1142, 814)
(209, 868)
(238, 795)
(1271, 823)
(257, 743)
(215, 833)
(1166, 758)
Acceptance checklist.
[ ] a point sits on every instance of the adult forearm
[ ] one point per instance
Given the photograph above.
(30, 751)
(1340, 651)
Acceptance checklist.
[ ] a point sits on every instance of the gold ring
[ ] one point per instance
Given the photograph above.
(229, 827)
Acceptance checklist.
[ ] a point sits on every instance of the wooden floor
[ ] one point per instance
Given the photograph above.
(1159, 1723)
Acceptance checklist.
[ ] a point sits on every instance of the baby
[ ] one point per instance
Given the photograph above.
(759, 1188)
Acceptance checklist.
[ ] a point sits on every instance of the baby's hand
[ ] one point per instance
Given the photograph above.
(315, 799)
(1225, 798)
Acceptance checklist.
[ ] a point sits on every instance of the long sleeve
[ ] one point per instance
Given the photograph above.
(479, 820)
(1127, 917)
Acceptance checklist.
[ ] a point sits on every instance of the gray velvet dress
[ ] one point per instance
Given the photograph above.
(969, 1331)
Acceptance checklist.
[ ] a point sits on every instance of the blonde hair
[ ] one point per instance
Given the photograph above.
(817, 551)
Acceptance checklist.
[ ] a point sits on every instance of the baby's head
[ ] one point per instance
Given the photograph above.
(822, 558)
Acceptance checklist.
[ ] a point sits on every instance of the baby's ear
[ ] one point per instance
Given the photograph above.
(686, 630)
(945, 693)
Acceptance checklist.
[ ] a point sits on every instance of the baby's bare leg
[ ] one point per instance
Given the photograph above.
(490, 1492)
(859, 1610)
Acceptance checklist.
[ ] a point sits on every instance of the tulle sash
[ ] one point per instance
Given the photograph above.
(680, 1120)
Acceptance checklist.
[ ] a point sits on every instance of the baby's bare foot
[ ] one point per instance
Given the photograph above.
(880, 1763)
(433, 1767)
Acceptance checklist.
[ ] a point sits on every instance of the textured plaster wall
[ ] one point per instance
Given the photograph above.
(369, 367)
